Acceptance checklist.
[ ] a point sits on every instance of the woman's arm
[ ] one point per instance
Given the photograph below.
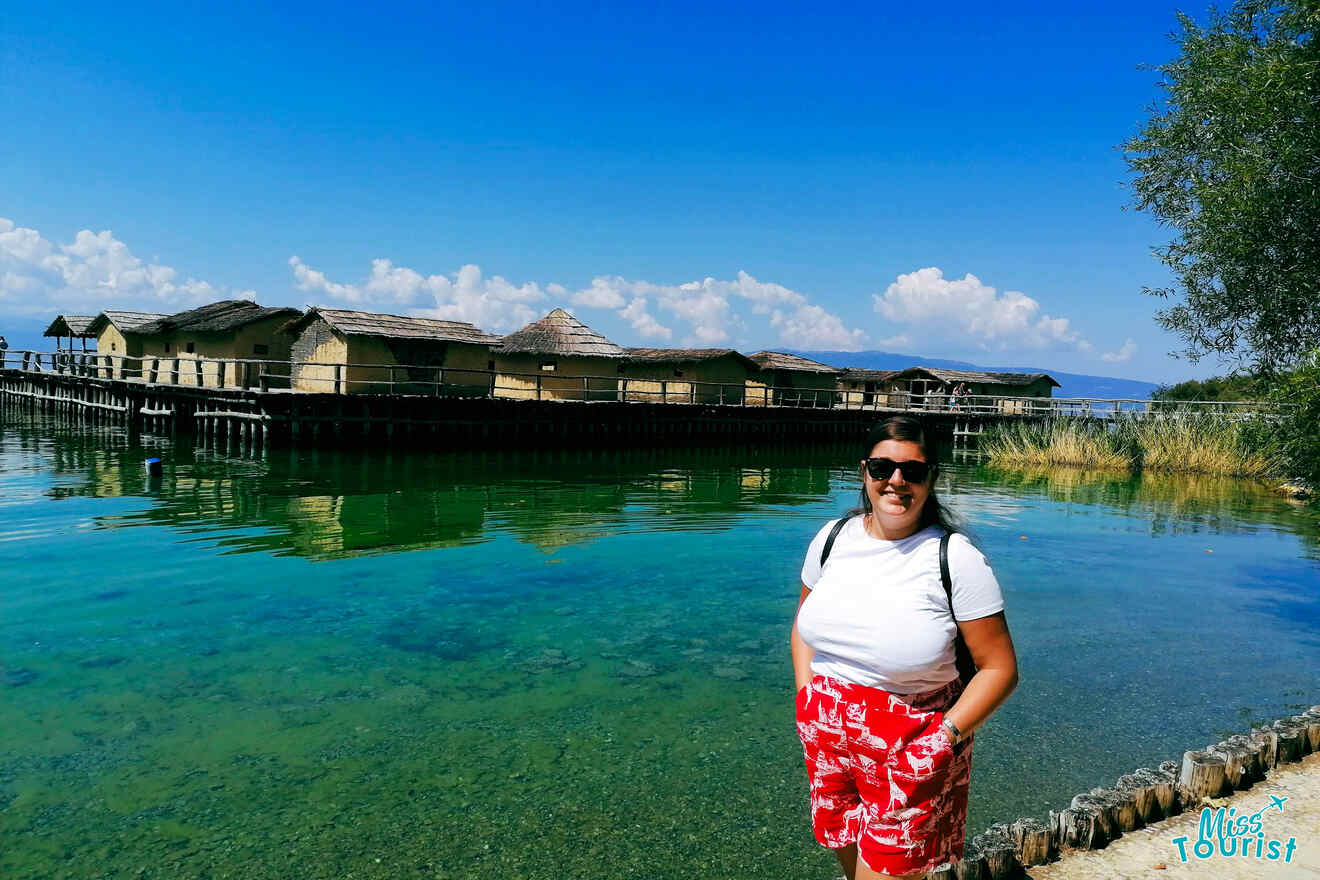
(802, 652)
(996, 671)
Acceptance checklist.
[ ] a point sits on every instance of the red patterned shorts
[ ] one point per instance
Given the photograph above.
(884, 774)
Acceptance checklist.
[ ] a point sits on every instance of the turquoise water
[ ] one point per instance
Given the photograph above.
(559, 665)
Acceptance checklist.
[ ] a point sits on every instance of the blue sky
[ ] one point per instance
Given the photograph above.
(744, 176)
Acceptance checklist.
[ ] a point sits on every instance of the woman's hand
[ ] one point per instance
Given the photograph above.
(996, 672)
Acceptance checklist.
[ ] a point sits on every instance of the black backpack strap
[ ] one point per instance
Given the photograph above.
(962, 655)
(945, 577)
(829, 542)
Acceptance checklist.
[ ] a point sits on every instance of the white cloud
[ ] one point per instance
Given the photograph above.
(967, 309)
(93, 272)
(808, 322)
(643, 322)
(1123, 354)
(600, 295)
(493, 304)
(313, 281)
(713, 310)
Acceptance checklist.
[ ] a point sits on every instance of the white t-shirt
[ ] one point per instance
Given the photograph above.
(878, 616)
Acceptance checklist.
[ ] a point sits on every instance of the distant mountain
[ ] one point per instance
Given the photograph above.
(1071, 384)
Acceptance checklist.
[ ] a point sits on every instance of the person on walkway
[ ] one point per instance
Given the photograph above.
(887, 698)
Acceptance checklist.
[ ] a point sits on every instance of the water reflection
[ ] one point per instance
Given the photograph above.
(1174, 504)
(334, 504)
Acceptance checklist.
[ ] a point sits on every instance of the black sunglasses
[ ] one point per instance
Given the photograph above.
(883, 468)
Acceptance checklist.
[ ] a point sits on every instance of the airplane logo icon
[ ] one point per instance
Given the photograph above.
(1277, 802)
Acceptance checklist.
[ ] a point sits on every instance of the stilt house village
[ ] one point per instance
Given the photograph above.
(240, 344)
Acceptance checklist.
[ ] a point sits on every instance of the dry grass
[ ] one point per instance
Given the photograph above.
(1173, 443)
(1067, 442)
(1199, 444)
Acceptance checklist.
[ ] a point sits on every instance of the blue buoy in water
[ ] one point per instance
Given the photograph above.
(153, 467)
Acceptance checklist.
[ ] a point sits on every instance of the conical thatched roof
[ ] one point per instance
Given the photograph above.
(560, 334)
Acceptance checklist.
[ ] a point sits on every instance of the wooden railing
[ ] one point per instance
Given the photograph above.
(439, 381)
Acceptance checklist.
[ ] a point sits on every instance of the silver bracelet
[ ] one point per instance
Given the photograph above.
(954, 733)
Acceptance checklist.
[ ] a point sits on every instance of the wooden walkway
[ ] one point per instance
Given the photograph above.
(237, 404)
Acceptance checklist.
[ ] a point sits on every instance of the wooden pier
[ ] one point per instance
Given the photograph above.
(246, 405)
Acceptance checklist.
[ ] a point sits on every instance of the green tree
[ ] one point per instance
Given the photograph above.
(1230, 161)
(1214, 388)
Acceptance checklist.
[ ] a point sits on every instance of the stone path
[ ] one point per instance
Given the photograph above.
(1150, 853)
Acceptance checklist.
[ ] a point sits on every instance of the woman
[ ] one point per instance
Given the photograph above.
(884, 718)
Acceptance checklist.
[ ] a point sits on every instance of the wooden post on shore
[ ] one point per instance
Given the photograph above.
(1238, 760)
(1293, 740)
(996, 846)
(1035, 844)
(1202, 776)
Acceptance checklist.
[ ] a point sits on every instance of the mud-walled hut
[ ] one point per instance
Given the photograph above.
(347, 352)
(557, 358)
(231, 343)
(933, 388)
(72, 326)
(865, 389)
(789, 380)
(684, 375)
(119, 342)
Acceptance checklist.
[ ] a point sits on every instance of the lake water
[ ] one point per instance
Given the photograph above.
(559, 665)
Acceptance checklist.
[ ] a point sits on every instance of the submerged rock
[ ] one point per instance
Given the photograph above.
(549, 660)
(731, 673)
(421, 634)
(17, 676)
(101, 661)
(636, 669)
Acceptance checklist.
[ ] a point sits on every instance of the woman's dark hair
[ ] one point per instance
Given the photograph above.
(912, 430)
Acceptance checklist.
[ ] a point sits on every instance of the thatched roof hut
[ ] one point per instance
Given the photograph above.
(226, 316)
(978, 377)
(118, 340)
(933, 387)
(226, 339)
(795, 380)
(353, 323)
(344, 351)
(862, 389)
(687, 355)
(72, 326)
(685, 375)
(857, 374)
(121, 320)
(559, 334)
(557, 358)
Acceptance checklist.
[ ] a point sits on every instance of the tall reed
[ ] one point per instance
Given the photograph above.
(1176, 442)
(1073, 442)
(1200, 443)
